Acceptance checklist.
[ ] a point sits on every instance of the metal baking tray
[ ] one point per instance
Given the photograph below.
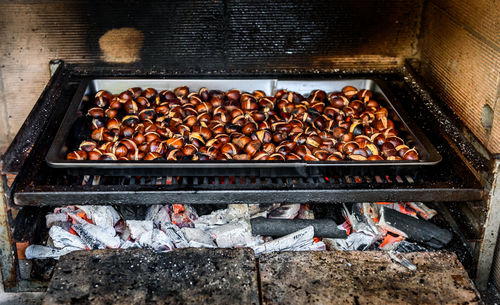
(75, 128)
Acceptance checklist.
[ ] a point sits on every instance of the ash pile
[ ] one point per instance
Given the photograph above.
(403, 227)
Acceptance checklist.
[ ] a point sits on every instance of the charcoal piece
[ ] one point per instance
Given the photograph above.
(182, 276)
(282, 227)
(406, 247)
(416, 229)
(132, 212)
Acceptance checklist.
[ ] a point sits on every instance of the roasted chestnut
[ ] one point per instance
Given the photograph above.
(77, 155)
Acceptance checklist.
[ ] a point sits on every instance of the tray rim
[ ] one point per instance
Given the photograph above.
(54, 160)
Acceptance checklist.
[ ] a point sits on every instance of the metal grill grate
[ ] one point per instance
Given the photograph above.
(37, 184)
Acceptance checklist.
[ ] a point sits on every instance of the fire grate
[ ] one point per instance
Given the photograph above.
(38, 184)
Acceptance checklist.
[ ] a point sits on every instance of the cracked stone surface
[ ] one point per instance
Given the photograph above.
(364, 278)
(183, 276)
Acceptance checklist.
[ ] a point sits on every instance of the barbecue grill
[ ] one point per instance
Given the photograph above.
(460, 186)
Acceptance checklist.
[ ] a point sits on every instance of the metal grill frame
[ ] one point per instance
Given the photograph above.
(453, 179)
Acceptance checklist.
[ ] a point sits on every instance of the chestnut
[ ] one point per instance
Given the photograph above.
(152, 156)
(104, 94)
(204, 94)
(375, 158)
(229, 148)
(130, 120)
(119, 149)
(410, 154)
(292, 157)
(175, 143)
(357, 157)
(149, 93)
(302, 150)
(313, 141)
(233, 95)
(204, 107)
(108, 157)
(334, 157)
(349, 91)
(214, 143)
(129, 144)
(252, 147)
(248, 102)
(147, 114)
(279, 136)
(101, 101)
(88, 146)
(223, 138)
(96, 112)
(261, 156)
(388, 150)
(321, 154)
(277, 157)
(241, 157)
(309, 157)
(182, 91)
(125, 96)
(130, 107)
(396, 141)
(77, 155)
(349, 147)
(113, 124)
(94, 154)
(111, 113)
(189, 150)
(269, 148)
(174, 155)
(241, 141)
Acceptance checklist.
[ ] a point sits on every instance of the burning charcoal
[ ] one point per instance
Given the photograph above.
(130, 245)
(281, 227)
(406, 246)
(220, 217)
(62, 238)
(160, 241)
(158, 214)
(423, 211)
(198, 238)
(400, 207)
(175, 234)
(292, 241)
(305, 212)
(357, 241)
(285, 211)
(413, 228)
(52, 218)
(235, 234)
(390, 242)
(139, 227)
(95, 236)
(44, 252)
(183, 215)
(101, 215)
(318, 246)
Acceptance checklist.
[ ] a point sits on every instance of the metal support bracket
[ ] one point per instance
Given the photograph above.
(7, 258)
(490, 235)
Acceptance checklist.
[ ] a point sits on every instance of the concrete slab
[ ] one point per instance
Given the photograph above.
(364, 278)
(183, 276)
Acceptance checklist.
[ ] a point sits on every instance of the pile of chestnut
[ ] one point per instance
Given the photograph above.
(146, 124)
